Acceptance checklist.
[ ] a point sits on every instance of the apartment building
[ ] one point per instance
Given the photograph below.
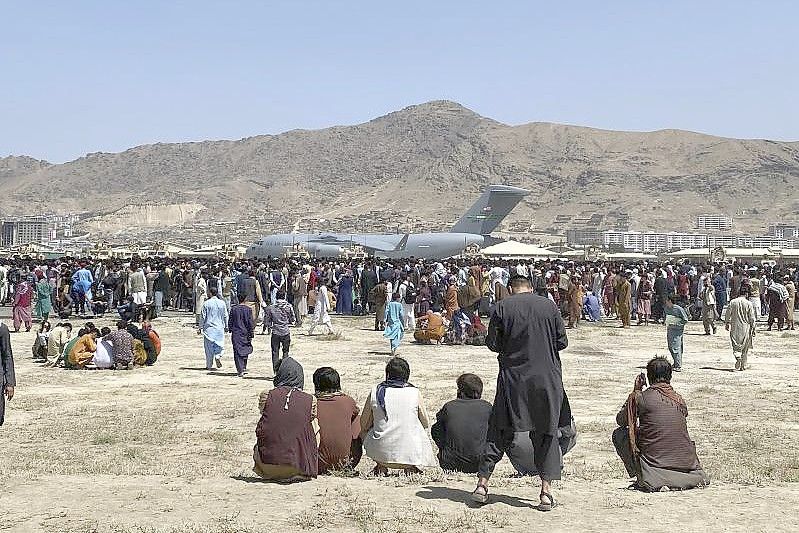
(653, 241)
(714, 222)
(25, 231)
(784, 231)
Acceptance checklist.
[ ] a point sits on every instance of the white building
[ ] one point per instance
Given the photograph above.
(784, 231)
(714, 222)
(653, 242)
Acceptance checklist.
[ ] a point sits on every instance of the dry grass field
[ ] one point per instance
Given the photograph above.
(168, 448)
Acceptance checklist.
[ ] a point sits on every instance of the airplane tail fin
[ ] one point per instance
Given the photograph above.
(403, 242)
(490, 209)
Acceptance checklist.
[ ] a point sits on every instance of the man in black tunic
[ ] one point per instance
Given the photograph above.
(527, 332)
(7, 380)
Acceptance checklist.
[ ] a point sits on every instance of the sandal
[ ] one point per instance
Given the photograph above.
(547, 506)
(480, 495)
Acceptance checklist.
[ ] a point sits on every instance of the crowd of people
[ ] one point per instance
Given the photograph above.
(531, 305)
(302, 435)
(438, 302)
(96, 348)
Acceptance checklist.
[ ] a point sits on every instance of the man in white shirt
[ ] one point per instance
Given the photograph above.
(407, 294)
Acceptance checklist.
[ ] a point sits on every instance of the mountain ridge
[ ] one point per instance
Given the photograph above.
(662, 179)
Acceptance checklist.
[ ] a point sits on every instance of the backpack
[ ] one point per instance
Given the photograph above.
(410, 294)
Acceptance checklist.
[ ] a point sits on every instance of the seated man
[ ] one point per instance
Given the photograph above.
(82, 351)
(127, 310)
(393, 423)
(591, 308)
(103, 357)
(430, 328)
(477, 332)
(100, 305)
(461, 325)
(57, 341)
(652, 438)
(287, 433)
(40, 344)
(155, 339)
(340, 445)
(122, 346)
(143, 348)
(461, 426)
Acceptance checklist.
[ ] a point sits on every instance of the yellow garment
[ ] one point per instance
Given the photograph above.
(451, 301)
(623, 297)
(431, 328)
(139, 353)
(83, 351)
(426, 335)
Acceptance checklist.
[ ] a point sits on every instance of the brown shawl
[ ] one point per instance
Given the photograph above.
(664, 389)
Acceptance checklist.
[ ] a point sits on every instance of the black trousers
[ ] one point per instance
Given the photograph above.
(240, 361)
(277, 342)
(546, 449)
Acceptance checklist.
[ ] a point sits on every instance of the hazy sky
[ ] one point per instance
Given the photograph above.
(86, 76)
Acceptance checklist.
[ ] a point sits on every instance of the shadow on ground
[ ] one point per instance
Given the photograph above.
(462, 496)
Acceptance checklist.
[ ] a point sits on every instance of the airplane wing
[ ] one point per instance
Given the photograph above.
(368, 242)
(378, 245)
(330, 238)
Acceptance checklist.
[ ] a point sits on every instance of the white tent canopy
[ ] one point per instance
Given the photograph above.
(629, 256)
(516, 249)
(737, 253)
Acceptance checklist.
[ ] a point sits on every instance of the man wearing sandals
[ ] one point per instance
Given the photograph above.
(652, 438)
(527, 332)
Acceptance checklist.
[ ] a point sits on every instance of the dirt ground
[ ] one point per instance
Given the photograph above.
(168, 448)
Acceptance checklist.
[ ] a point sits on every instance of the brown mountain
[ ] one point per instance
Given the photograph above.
(429, 161)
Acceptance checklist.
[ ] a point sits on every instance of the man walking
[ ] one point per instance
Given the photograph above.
(790, 286)
(720, 286)
(754, 295)
(242, 328)
(623, 298)
(213, 324)
(137, 285)
(408, 294)
(279, 316)
(160, 291)
(676, 319)
(299, 291)
(740, 320)
(527, 332)
(709, 307)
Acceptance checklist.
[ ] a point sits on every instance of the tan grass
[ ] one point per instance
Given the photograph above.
(173, 447)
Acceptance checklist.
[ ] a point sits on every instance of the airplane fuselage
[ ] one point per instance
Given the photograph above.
(480, 220)
(423, 245)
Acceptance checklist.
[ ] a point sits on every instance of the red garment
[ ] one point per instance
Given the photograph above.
(23, 294)
(284, 434)
(478, 326)
(339, 430)
(156, 340)
(683, 284)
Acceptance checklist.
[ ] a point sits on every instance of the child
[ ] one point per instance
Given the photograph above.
(40, 344)
(357, 308)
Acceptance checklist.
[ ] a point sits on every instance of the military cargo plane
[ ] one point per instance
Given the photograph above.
(496, 202)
